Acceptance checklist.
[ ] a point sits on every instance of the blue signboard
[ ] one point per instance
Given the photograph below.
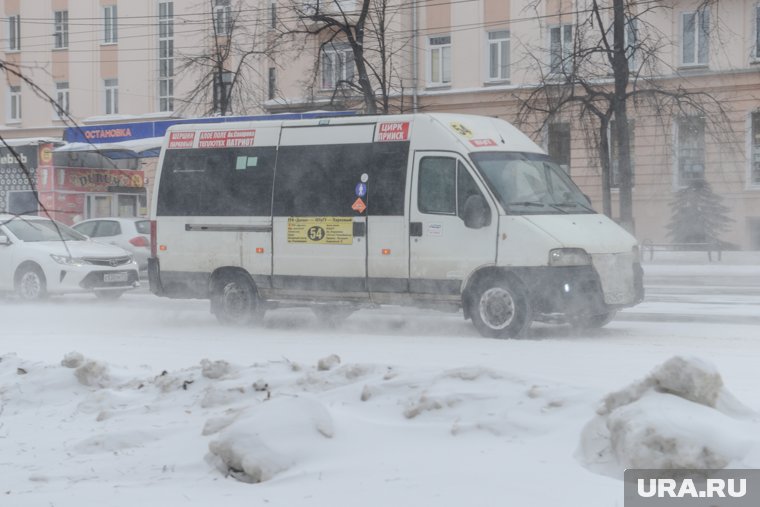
(141, 130)
(361, 189)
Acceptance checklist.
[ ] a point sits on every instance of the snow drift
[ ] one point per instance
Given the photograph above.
(679, 416)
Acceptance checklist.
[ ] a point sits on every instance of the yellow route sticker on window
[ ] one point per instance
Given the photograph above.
(321, 230)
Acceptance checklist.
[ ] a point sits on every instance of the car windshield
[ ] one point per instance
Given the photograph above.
(42, 230)
(530, 183)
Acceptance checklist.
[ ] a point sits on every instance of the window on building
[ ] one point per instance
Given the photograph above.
(62, 98)
(223, 92)
(498, 55)
(61, 29)
(630, 41)
(273, 13)
(272, 84)
(166, 56)
(695, 44)
(222, 17)
(439, 63)
(14, 33)
(691, 150)
(165, 20)
(754, 177)
(14, 104)
(757, 32)
(615, 152)
(112, 96)
(110, 24)
(559, 144)
(753, 232)
(561, 49)
(337, 64)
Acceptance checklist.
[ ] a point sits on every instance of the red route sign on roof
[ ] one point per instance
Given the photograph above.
(226, 138)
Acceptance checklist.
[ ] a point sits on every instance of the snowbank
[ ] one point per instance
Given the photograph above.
(679, 416)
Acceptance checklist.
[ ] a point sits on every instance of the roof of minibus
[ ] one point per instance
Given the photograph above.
(475, 133)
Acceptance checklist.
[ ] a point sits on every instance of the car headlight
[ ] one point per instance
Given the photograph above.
(68, 261)
(569, 257)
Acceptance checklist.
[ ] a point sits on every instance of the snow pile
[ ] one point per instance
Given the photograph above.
(270, 439)
(679, 416)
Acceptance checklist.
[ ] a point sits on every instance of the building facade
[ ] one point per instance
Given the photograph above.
(112, 61)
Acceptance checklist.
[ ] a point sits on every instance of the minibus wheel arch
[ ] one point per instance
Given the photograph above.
(498, 303)
(235, 299)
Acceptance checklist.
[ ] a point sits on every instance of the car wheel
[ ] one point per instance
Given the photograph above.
(332, 315)
(592, 321)
(31, 284)
(235, 301)
(108, 294)
(500, 309)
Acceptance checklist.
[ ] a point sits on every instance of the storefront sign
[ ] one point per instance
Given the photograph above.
(97, 180)
(109, 133)
(27, 155)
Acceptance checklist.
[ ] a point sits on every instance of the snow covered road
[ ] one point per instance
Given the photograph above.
(160, 406)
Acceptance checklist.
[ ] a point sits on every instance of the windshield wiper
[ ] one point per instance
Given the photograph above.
(527, 203)
(536, 203)
(569, 204)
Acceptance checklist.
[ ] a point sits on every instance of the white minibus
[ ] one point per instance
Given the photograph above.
(438, 211)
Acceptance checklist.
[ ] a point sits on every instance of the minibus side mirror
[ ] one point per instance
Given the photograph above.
(476, 213)
(4, 240)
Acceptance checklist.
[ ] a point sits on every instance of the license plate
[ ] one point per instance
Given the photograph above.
(115, 277)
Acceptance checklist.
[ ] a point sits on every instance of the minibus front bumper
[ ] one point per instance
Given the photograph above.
(577, 290)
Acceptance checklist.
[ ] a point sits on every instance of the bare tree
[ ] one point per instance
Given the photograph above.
(223, 68)
(616, 63)
(366, 66)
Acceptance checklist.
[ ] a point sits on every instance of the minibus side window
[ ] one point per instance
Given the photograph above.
(217, 182)
(321, 180)
(436, 185)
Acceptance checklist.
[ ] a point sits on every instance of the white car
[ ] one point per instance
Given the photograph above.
(131, 234)
(39, 257)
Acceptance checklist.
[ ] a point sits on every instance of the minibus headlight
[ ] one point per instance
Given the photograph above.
(569, 257)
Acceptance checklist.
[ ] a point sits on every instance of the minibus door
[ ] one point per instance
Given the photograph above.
(443, 248)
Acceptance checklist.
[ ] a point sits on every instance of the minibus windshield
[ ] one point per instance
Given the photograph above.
(530, 183)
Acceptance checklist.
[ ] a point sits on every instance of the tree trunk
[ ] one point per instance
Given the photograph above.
(621, 73)
(604, 159)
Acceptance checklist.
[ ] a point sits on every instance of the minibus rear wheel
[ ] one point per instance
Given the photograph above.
(235, 301)
(500, 309)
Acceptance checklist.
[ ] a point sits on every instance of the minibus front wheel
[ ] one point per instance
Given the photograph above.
(500, 308)
(234, 299)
